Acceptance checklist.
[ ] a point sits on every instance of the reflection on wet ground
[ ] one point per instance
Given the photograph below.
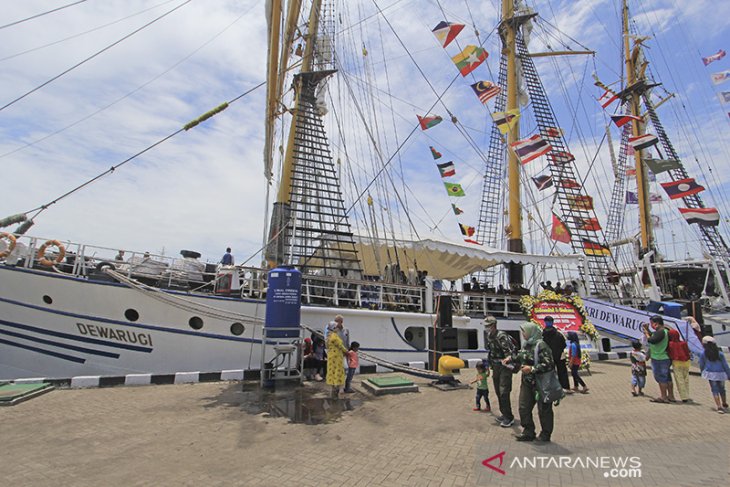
(300, 404)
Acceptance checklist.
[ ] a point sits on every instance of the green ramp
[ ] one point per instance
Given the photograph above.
(11, 394)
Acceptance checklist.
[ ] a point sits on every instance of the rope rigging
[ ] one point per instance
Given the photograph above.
(38, 210)
(97, 53)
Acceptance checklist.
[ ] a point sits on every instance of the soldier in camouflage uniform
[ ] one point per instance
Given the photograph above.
(532, 336)
(501, 346)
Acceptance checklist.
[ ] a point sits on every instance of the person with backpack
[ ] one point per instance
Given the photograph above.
(556, 341)
(678, 351)
(575, 359)
(501, 346)
(532, 346)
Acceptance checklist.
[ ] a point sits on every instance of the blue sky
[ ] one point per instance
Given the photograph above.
(204, 189)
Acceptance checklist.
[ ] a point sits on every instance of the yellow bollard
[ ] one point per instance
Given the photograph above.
(447, 364)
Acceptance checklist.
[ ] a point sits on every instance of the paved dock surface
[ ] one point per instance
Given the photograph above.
(218, 434)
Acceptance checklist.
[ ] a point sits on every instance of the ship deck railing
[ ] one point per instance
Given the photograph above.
(162, 271)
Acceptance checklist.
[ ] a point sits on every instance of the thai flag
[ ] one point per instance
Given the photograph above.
(532, 148)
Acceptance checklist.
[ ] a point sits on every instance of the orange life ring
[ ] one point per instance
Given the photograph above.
(42, 253)
(11, 244)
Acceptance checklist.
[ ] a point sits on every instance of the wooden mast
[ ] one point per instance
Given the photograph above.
(311, 38)
(635, 74)
(514, 243)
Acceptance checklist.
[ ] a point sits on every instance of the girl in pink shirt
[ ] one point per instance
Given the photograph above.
(352, 364)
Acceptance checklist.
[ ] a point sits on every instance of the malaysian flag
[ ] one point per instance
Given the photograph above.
(485, 90)
(531, 148)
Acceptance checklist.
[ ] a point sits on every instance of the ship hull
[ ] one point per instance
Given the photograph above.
(58, 326)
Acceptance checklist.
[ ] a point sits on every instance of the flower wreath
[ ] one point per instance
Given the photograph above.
(528, 302)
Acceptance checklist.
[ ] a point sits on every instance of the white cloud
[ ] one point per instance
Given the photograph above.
(204, 189)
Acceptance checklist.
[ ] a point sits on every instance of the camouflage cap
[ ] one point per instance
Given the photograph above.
(490, 320)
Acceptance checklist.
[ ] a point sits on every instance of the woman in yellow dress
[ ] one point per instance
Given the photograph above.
(335, 359)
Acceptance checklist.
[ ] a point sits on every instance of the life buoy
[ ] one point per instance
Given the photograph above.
(11, 243)
(105, 265)
(42, 253)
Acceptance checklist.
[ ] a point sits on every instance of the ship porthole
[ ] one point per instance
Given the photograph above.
(47, 299)
(237, 329)
(131, 314)
(195, 323)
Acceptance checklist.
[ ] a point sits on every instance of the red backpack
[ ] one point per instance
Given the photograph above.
(678, 350)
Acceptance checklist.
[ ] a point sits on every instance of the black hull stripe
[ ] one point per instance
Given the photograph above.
(130, 325)
(68, 336)
(58, 344)
(63, 356)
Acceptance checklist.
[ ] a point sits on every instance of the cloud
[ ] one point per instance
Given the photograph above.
(204, 189)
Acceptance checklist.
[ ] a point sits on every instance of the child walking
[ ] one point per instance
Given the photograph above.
(352, 363)
(715, 369)
(638, 369)
(482, 387)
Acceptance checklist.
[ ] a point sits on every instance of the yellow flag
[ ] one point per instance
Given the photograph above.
(506, 121)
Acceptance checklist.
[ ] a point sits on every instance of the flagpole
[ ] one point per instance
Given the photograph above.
(514, 243)
(647, 239)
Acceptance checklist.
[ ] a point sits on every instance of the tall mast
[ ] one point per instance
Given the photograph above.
(514, 243)
(309, 224)
(635, 74)
(311, 39)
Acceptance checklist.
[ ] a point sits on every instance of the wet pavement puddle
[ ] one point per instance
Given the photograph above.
(309, 405)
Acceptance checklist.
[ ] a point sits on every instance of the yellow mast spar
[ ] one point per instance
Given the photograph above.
(281, 211)
(311, 37)
(635, 74)
(514, 243)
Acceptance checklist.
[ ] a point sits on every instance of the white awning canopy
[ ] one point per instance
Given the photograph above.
(445, 260)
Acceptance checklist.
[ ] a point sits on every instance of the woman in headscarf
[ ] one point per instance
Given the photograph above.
(531, 338)
(335, 359)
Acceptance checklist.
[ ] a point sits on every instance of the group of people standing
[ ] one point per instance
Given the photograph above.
(541, 352)
(669, 353)
(327, 356)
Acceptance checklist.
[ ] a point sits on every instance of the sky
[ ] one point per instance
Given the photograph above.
(67, 119)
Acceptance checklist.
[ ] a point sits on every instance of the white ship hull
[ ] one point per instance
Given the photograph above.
(57, 326)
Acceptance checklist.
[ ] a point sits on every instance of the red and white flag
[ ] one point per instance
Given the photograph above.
(715, 57)
(701, 216)
(621, 120)
(607, 98)
(531, 148)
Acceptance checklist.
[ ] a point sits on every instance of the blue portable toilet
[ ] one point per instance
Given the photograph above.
(283, 303)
